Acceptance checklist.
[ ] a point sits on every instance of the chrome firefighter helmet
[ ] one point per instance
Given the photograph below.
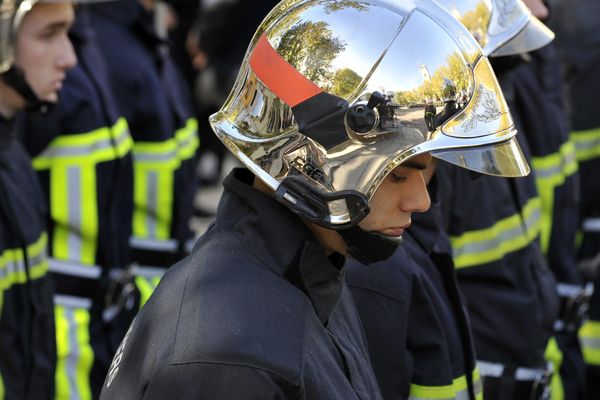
(502, 27)
(333, 95)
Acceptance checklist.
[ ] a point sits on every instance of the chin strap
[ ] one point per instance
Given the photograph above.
(15, 78)
(369, 247)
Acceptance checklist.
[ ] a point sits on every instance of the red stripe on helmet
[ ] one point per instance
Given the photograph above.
(279, 76)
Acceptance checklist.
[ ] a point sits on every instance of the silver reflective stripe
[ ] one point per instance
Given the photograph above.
(590, 342)
(72, 358)
(480, 247)
(148, 272)
(550, 171)
(591, 225)
(68, 268)
(521, 374)
(72, 302)
(74, 151)
(568, 290)
(154, 157)
(587, 143)
(75, 218)
(153, 244)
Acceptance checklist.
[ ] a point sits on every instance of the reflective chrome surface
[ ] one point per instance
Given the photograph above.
(437, 93)
(502, 27)
(11, 14)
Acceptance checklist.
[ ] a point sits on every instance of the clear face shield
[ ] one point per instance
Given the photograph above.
(332, 97)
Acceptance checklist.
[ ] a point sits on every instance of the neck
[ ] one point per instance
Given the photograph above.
(330, 240)
(10, 101)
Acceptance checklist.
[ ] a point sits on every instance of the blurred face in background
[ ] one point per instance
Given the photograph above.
(43, 50)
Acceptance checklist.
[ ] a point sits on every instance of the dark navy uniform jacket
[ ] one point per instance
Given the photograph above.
(257, 311)
(493, 224)
(417, 329)
(533, 91)
(27, 341)
(156, 102)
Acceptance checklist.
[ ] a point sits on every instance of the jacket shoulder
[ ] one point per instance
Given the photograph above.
(236, 311)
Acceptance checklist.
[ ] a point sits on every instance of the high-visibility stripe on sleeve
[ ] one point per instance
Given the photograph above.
(13, 268)
(505, 236)
(555, 357)
(458, 390)
(589, 335)
(551, 171)
(279, 76)
(587, 143)
(187, 140)
(74, 352)
(72, 161)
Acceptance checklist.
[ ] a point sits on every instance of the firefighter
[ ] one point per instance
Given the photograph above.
(260, 309)
(154, 98)
(416, 325)
(577, 39)
(35, 54)
(500, 229)
(81, 151)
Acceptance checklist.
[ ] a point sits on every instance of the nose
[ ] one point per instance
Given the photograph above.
(67, 58)
(417, 198)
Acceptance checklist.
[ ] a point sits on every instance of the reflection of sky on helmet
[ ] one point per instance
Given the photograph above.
(421, 48)
(458, 8)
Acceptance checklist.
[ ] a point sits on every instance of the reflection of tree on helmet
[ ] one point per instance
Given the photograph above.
(326, 108)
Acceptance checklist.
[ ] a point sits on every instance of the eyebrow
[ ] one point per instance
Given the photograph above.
(414, 165)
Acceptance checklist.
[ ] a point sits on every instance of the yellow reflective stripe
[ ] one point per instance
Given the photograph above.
(74, 211)
(153, 201)
(477, 384)
(589, 335)
(587, 143)
(457, 390)
(102, 144)
(74, 353)
(2, 391)
(12, 264)
(555, 356)
(187, 139)
(146, 289)
(155, 164)
(507, 235)
(72, 160)
(551, 171)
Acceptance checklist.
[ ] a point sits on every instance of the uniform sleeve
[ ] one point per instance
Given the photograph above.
(214, 381)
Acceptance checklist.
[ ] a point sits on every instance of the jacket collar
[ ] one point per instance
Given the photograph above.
(282, 241)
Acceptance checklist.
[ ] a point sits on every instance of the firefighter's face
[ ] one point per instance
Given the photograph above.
(402, 192)
(44, 50)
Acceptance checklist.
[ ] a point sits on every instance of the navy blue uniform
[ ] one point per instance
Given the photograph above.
(416, 327)
(257, 311)
(494, 226)
(27, 342)
(155, 101)
(533, 90)
(82, 153)
(578, 41)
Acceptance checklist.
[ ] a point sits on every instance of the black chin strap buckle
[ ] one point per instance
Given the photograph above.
(313, 205)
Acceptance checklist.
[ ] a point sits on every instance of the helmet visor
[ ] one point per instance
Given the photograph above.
(533, 36)
(502, 159)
